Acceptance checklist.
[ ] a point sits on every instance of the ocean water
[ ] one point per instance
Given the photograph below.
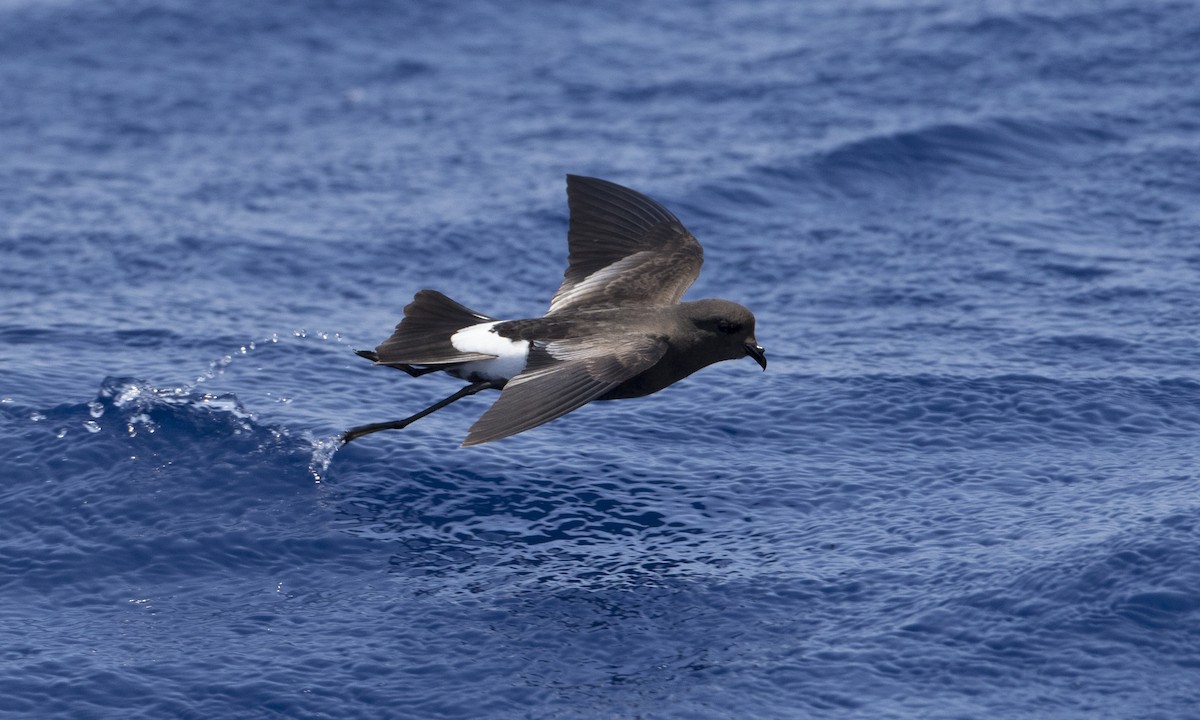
(966, 487)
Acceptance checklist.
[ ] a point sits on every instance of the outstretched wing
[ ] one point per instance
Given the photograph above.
(626, 250)
(561, 376)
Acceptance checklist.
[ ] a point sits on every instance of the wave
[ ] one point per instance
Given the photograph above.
(917, 160)
(994, 413)
(1001, 148)
(132, 418)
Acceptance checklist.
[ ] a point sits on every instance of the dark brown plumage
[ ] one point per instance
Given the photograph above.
(615, 328)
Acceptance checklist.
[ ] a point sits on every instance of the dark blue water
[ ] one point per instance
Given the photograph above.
(967, 486)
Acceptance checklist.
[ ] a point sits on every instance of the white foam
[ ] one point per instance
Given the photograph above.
(482, 338)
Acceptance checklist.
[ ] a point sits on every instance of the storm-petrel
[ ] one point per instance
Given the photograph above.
(615, 328)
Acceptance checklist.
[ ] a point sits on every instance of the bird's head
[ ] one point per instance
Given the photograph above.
(727, 329)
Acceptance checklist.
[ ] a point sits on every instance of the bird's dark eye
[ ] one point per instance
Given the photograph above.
(727, 327)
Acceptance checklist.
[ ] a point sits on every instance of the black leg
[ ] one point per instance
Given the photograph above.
(355, 433)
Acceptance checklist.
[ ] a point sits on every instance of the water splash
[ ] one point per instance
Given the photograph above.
(218, 367)
(138, 409)
(323, 450)
(135, 407)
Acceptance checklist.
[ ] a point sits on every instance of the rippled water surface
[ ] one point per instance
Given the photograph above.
(965, 488)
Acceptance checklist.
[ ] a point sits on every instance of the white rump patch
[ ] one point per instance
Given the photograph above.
(510, 354)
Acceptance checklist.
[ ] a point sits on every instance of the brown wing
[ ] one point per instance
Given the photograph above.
(562, 376)
(626, 250)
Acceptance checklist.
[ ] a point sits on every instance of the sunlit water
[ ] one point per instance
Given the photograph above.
(965, 488)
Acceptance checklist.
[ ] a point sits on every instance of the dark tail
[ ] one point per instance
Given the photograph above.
(423, 336)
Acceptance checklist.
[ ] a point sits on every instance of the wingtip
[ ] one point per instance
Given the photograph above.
(575, 182)
(477, 435)
(581, 183)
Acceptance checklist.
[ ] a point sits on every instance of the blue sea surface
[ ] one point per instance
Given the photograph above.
(966, 487)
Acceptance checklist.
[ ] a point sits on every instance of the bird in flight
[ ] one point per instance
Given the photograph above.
(615, 329)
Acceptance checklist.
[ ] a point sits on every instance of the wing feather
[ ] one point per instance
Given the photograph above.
(563, 376)
(626, 250)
